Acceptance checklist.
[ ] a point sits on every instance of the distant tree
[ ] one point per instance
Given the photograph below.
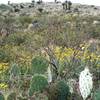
(40, 10)
(16, 9)
(65, 5)
(21, 6)
(69, 5)
(55, 1)
(8, 2)
(33, 1)
(39, 2)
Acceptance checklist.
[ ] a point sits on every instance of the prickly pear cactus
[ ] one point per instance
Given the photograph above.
(38, 83)
(58, 91)
(85, 83)
(63, 91)
(97, 95)
(11, 96)
(1, 96)
(39, 65)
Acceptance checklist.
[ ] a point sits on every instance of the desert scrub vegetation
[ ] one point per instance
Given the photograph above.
(63, 43)
(25, 20)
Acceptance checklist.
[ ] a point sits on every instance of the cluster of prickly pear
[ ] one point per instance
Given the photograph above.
(39, 65)
(38, 83)
(85, 83)
(2, 96)
(97, 95)
(11, 96)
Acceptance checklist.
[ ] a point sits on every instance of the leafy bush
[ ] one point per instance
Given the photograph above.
(4, 56)
(39, 65)
(38, 83)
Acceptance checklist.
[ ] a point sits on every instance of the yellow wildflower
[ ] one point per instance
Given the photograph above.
(3, 85)
(3, 67)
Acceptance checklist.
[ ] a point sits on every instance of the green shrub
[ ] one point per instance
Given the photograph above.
(2, 96)
(25, 20)
(97, 95)
(14, 71)
(39, 65)
(4, 55)
(58, 91)
(11, 96)
(38, 83)
(16, 39)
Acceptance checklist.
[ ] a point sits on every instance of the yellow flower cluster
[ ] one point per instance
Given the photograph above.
(62, 53)
(3, 67)
(25, 60)
(3, 86)
(87, 55)
(91, 56)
